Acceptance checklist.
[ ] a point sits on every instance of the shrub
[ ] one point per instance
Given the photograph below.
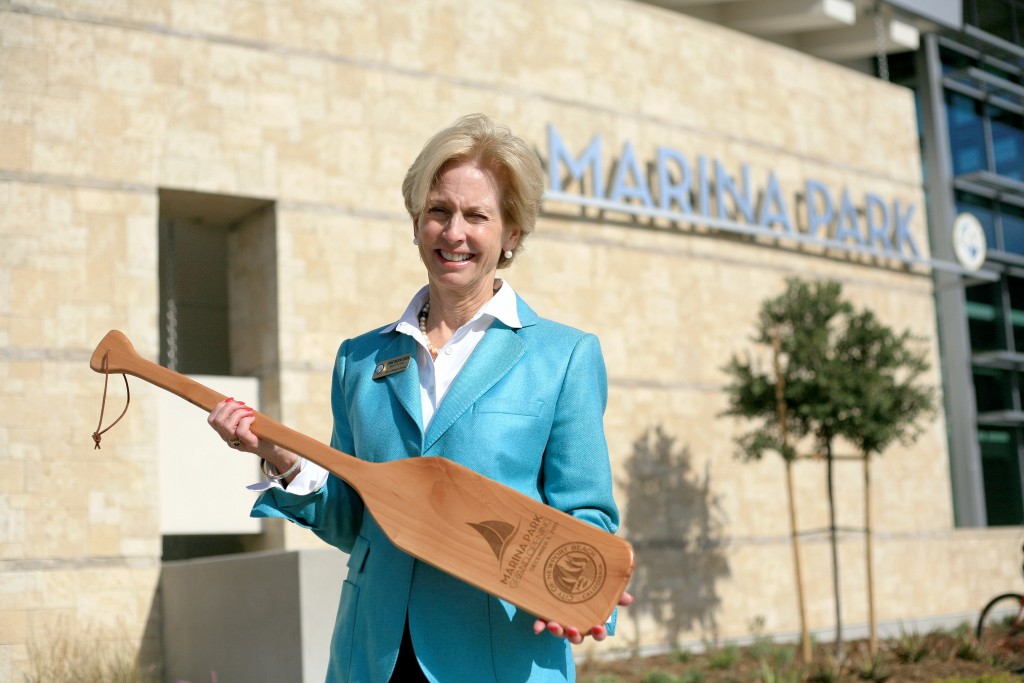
(768, 674)
(825, 670)
(910, 648)
(983, 678)
(602, 678)
(660, 677)
(724, 658)
(873, 668)
(68, 659)
(693, 676)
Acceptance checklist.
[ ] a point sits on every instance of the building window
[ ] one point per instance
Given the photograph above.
(966, 133)
(1007, 142)
(984, 316)
(1001, 467)
(1001, 18)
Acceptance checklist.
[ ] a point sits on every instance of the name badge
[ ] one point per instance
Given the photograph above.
(391, 366)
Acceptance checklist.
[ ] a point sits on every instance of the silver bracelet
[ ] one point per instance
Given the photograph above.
(296, 466)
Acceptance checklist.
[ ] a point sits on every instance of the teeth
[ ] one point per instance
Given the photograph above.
(450, 256)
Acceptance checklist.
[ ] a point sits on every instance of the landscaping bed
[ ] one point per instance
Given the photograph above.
(941, 656)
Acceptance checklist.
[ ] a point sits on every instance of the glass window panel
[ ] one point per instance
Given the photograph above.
(992, 390)
(966, 133)
(1000, 468)
(1007, 143)
(996, 17)
(986, 335)
(1011, 221)
(987, 293)
(985, 317)
(1017, 316)
(951, 60)
(1015, 289)
(902, 69)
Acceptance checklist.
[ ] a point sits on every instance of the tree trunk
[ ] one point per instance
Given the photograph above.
(872, 630)
(805, 636)
(832, 532)
(780, 413)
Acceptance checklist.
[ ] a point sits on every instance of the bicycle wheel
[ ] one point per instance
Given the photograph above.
(1001, 625)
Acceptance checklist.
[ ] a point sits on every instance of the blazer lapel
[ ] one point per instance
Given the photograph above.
(499, 350)
(405, 385)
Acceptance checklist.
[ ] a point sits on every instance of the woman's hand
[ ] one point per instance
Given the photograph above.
(573, 634)
(232, 420)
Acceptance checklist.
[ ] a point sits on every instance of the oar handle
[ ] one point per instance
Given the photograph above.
(115, 354)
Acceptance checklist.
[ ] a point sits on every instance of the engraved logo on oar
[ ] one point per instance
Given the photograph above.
(519, 549)
(575, 572)
(497, 534)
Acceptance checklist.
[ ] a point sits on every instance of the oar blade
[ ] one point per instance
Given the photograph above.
(505, 543)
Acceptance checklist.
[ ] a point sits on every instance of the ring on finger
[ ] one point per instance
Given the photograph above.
(235, 443)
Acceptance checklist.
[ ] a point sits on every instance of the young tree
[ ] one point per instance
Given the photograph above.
(839, 373)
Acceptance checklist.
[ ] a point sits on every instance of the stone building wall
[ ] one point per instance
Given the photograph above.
(319, 107)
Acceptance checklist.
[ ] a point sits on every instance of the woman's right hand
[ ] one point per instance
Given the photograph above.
(233, 420)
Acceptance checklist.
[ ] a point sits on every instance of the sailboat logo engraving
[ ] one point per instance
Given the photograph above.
(497, 534)
(518, 548)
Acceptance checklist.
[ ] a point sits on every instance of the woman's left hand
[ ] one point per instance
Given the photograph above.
(573, 634)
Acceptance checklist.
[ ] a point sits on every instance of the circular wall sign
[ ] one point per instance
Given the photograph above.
(969, 242)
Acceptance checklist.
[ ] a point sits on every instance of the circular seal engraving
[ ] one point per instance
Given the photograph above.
(574, 572)
(969, 243)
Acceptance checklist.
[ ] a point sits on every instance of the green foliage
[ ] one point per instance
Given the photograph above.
(910, 647)
(724, 658)
(844, 373)
(780, 674)
(765, 650)
(873, 668)
(693, 676)
(968, 650)
(680, 656)
(825, 670)
(983, 678)
(602, 678)
(660, 677)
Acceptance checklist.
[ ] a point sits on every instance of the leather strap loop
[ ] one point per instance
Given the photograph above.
(98, 434)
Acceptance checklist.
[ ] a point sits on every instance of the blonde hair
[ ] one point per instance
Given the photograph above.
(478, 138)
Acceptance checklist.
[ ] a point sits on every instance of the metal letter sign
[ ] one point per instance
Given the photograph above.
(707, 194)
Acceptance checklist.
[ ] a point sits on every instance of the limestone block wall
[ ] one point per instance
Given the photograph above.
(319, 107)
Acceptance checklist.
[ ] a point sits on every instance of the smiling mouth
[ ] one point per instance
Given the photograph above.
(453, 257)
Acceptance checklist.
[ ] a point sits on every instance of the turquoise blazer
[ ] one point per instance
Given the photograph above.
(526, 410)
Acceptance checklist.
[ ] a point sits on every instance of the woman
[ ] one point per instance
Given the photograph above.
(491, 386)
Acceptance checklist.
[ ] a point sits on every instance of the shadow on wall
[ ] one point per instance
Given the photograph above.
(675, 525)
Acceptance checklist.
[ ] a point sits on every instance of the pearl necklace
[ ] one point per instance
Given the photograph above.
(424, 312)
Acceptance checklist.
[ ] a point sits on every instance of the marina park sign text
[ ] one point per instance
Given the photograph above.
(706, 193)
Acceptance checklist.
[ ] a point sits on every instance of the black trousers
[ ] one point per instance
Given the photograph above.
(407, 670)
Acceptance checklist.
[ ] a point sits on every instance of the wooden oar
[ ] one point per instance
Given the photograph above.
(544, 561)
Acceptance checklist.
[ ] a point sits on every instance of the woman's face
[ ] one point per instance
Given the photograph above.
(460, 230)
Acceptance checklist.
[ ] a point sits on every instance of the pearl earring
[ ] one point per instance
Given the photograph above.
(508, 253)
(415, 241)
